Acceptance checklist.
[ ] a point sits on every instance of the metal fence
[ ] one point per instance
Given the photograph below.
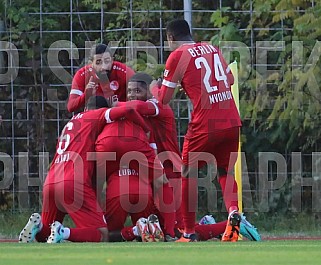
(16, 119)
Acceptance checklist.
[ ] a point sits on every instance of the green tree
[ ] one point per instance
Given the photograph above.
(293, 119)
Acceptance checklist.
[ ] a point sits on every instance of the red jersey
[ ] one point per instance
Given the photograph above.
(163, 126)
(206, 79)
(126, 181)
(165, 133)
(113, 89)
(123, 128)
(76, 140)
(120, 137)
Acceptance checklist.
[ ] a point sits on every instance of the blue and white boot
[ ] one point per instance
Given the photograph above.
(57, 233)
(28, 233)
(248, 230)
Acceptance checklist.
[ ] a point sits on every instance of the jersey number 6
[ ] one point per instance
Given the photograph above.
(64, 138)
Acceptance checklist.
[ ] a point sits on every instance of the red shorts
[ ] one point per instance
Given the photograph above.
(77, 200)
(135, 205)
(137, 155)
(220, 144)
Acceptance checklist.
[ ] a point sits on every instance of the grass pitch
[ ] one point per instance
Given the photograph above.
(240, 253)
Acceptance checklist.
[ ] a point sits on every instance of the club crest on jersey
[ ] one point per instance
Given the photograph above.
(114, 85)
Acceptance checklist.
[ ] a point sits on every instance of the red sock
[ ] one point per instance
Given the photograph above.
(206, 232)
(43, 234)
(127, 233)
(189, 204)
(89, 234)
(179, 218)
(229, 190)
(167, 209)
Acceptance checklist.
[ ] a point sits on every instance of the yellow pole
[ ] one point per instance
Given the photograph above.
(238, 164)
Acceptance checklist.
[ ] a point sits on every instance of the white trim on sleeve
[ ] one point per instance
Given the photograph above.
(169, 84)
(156, 107)
(107, 117)
(76, 92)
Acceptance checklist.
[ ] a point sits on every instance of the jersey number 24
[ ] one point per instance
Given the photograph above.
(219, 72)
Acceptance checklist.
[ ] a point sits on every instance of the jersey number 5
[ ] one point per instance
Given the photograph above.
(64, 138)
(219, 72)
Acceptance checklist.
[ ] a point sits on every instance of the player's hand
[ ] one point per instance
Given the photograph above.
(152, 85)
(91, 87)
(159, 82)
(156, 83)
(181, 89)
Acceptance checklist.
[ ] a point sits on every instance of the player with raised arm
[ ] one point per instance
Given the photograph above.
(68, 188)
(215, 123)
(102, 77)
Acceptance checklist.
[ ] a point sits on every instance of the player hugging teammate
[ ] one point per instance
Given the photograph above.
(128, 151)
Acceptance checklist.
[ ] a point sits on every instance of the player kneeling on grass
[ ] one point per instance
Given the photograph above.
(70, 191)
(163, 125)
(129, 194)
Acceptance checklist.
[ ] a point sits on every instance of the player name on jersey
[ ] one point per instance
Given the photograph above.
(219, 97)
(62, 158)
(78, 116)
(127, 172)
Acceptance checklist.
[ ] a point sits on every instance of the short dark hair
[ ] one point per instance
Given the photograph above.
(99, 49)
(142, 78)
(178, 28)
(97, 102)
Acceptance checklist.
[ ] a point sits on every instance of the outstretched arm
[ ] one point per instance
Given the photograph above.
(145, 108)
(172, 75)
(165, 94)
(126, 112)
